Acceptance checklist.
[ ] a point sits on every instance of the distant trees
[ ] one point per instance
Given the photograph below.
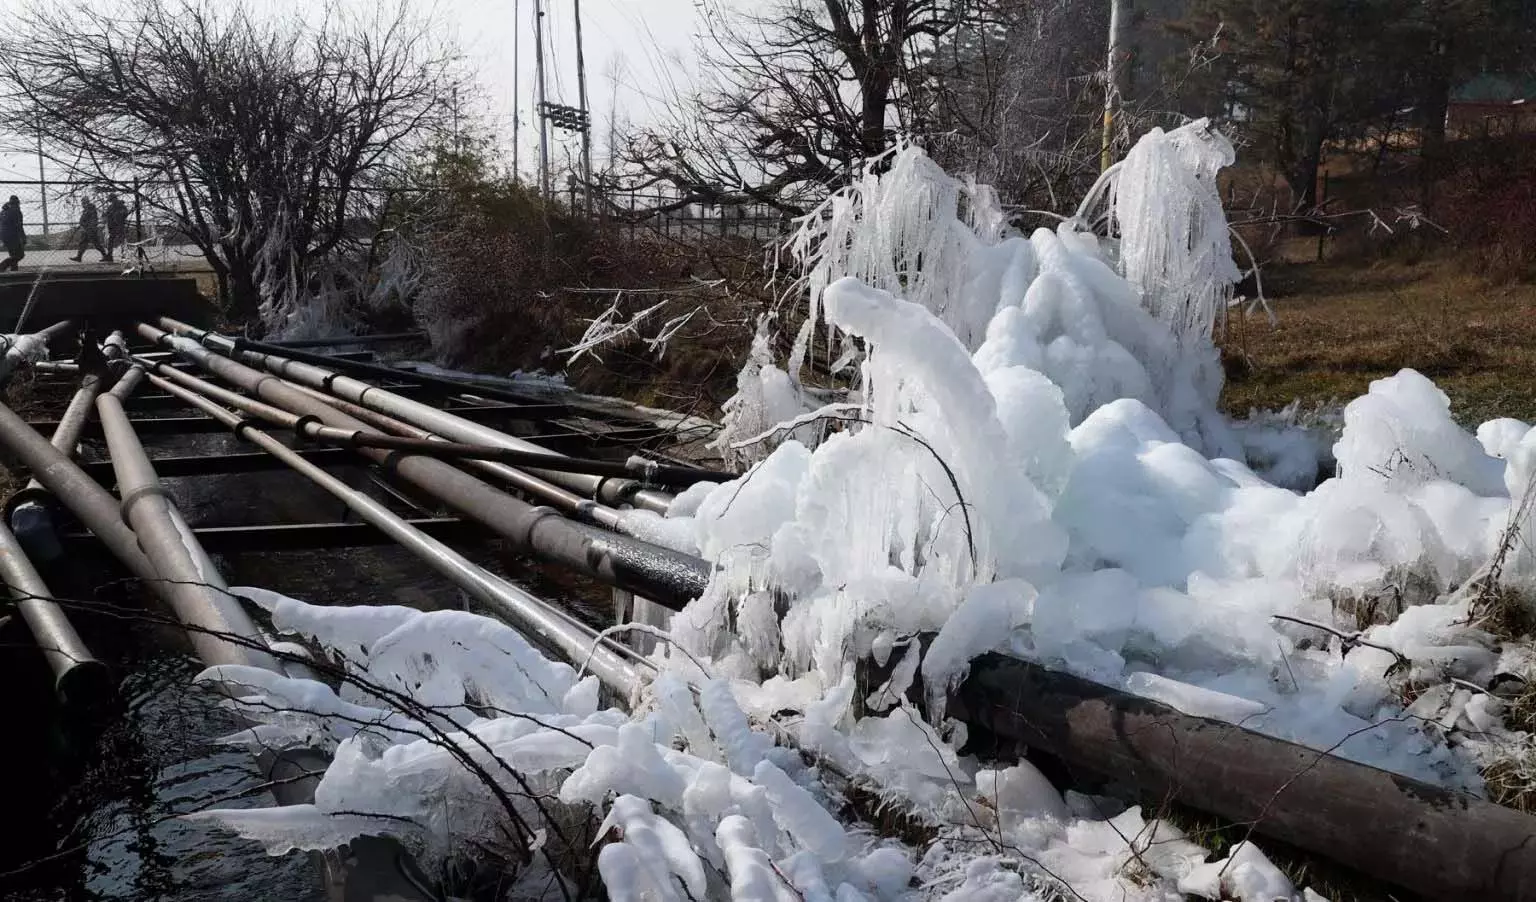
(261, 131)
(1297, 76)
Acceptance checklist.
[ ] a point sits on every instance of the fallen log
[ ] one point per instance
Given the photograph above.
(1432, 842)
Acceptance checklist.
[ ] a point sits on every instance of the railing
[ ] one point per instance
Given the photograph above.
(51, 215)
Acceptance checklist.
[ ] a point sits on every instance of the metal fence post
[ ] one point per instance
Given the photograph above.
(138, 211)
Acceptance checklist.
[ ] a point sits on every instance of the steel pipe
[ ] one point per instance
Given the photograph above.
(77, 675)
(192, 585)
(298, 369)
(440, 447)
(508, 601)
(669, 578)
(1439, 843)
(100, 513)
(22, 348)
(352, 365)
(380, 338)
(562, 499)
(88, 501)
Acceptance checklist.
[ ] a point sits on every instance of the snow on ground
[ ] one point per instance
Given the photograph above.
(1035, 463)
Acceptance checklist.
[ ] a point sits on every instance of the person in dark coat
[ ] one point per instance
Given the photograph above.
(117, 225)
(11, 234)
(90, 231)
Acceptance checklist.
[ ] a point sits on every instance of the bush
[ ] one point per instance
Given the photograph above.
(1488, 202)
(508, 278)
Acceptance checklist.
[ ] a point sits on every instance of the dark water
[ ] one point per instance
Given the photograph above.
(99, 802)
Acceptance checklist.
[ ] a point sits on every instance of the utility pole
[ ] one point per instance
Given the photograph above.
(538, 53)
(517, 96)
(458, 136)
(42, 185)
(586, 116)
(1112, 76)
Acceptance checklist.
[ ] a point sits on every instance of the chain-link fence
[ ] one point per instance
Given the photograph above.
(127, 228)
(138, 232)
(636, 213)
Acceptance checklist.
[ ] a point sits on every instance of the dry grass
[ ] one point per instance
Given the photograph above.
(1341, 325)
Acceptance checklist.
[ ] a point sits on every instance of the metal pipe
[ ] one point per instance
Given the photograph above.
(164, 373)
(57, 367)
(294, 367)
(22, 348)
(348, 365)
(669, 578)
(96, 509)
(381, 338)
(562, 499)
(194, 588)
(565, 501)
(127, 383)
(508, 601)
(77, 675)
(100, 513)
(513, 457)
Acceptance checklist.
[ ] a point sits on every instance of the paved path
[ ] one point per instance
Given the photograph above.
(179, 256)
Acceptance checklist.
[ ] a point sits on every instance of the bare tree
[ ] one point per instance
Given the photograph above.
(261, 132)
(1014, 95)
(792, 97)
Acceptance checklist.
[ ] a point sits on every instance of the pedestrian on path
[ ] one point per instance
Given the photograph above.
(90, 232)
(11, 234)
(117, 225)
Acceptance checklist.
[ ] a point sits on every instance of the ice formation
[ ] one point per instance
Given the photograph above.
(1031, 461)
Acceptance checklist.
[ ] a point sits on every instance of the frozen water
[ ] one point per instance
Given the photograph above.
(1031, 460)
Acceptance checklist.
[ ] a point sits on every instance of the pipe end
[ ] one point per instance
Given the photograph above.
(86, 686)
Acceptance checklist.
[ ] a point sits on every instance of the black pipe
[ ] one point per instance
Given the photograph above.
(377, 371)
(380, 338)
(1442, 844)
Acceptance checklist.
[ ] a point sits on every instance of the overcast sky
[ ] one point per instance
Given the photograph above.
(639, 48)
(645, 42)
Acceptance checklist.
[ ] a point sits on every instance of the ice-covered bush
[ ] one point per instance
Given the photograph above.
(944, 244)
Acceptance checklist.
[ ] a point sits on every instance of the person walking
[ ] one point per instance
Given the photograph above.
(11, 234)
(117, 225)
(90, 231)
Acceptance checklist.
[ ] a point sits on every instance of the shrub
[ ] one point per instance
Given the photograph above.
(1488, 202)
(508, 279)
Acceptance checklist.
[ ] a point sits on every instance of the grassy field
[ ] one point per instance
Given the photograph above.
(1340, 325)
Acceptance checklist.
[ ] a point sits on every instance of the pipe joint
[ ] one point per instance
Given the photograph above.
(133, 497)
(534, 517)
